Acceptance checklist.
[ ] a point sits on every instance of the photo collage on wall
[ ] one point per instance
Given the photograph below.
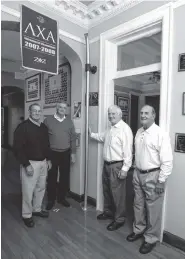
(58, 88)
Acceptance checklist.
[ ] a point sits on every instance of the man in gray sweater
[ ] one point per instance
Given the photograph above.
(62, 139)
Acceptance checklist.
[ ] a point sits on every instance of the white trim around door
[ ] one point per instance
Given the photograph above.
(109, 42)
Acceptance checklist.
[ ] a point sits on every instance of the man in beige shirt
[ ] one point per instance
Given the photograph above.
(153, 160)
(117, 154)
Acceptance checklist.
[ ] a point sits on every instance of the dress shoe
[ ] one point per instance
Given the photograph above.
(29, 222)
(64, 203)
(50, 205)
(114, 225)
(132, 237)
(146, 248)
(42, 214)
(104, 216)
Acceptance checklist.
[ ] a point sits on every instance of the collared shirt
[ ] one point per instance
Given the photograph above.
(58, 118)
(35, 122)
(152, 150)
(118, 141)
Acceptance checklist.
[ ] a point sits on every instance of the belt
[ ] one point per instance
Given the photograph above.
(149, 170)
(113, 162)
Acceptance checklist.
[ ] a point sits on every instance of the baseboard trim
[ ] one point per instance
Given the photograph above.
(80, 198)
(174, 240)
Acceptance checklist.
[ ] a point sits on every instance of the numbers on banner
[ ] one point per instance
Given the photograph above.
(40, 60)
(38, 48)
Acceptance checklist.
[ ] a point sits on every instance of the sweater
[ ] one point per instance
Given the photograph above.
(62, 135)
(31, 142)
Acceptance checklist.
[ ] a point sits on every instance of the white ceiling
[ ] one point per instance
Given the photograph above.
(87, 3)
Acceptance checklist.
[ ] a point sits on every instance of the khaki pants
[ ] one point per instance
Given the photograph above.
(114, 191)
(33, 188)
(147, 206)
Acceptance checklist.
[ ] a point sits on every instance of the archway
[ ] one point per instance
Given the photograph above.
(67, 49)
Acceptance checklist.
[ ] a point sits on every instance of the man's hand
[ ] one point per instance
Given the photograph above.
(49, 165)
(73, 158)
(89, 131)
(122, 174)
(159, 188)
(29, 170)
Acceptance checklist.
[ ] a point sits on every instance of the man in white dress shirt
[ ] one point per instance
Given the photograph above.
(153, 160)
(117, 154)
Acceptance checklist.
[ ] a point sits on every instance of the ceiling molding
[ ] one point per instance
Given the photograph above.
(10, 11)
(120, 7)
(87, 16)
(61, 32)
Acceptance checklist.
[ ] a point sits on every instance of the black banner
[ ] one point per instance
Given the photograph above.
(39, 41)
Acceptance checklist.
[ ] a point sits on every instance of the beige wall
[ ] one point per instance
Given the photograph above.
(8, 79)
(175, 204)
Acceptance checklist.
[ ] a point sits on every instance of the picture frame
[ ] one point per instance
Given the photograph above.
(183, 103)
(123, 103)
(181, 64)
(58, 87)
(93, 99)
(77, 110)
(115, 99)
(180, 142)
(33, 88)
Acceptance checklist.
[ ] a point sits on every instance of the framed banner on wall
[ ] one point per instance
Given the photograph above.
(58, 88)
(33, 88)
(39, 41)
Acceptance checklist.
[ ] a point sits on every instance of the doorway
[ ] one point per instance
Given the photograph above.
(139, 28)
(137, 91)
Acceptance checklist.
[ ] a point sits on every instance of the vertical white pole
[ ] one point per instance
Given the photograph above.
(86, 123)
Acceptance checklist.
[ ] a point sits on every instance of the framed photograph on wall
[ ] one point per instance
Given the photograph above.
(183, 103)
(115, 99)
(123, 103)
(181, 66)
(180, 142)
(33, 88)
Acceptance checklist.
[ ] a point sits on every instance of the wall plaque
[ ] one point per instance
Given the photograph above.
(181, 62)
(180, 142)
(58, 88)
(93, 99)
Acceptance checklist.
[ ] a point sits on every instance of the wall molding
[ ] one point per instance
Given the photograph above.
(80, 198)
(174, 240)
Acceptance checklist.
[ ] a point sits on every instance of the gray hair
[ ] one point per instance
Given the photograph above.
(116, 108)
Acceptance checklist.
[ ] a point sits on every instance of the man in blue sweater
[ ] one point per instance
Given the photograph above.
(62, 139)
